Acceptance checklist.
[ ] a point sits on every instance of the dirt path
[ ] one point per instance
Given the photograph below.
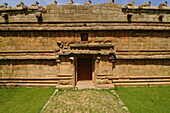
(84, 101)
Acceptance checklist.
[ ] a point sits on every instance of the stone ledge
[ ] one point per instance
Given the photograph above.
(142, 56)
(148, 84)
(92, 46)
(140, 80)
(86, 28)
(142, 77)
(146, 8)
(28, 51)
(132, 77)
(64, 75)
(29, 78)
(17, 8)
(143, 50)
(27, 57)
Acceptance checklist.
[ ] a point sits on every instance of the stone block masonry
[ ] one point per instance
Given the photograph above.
(124, 45)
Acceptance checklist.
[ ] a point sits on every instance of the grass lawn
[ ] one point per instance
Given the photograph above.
(84, 101)
(23, 100)
(146, 99)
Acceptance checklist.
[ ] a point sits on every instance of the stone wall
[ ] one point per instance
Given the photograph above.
(141, 68)
(42, 73)
(49, 68)
(134, 73)
(73, 13)
(29, 45)
(28, 68)
(47, 40)
(134, 40)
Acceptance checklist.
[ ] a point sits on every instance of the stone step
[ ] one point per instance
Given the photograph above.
(140, 80)
(85, 85)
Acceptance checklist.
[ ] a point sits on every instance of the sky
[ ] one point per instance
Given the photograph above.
(13, 3)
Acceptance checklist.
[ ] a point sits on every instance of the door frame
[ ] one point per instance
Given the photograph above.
(76, 67)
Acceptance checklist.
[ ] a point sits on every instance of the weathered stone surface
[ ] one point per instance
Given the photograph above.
(103, 81)
(141, 68)
(65, 82)
(101, 12)
(28, 68)
(122, 41)
(126, 40)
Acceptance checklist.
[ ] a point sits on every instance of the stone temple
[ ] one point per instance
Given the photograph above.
(107, 44)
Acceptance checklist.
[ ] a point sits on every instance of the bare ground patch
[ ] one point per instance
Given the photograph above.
(84, 101)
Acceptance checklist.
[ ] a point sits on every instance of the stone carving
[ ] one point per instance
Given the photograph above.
(72, 59)
(42, 9)
(54, 3)
(62, 46)
(70, 3)
(39, 17)
(160, 17)
(4, 5)
(92, 46)
(112, 1)
(88, 3)
(163, 4)
(130, 4)
(145, 5)
(38, 14)
(4, 15)
(112, 58)
(35, 4)
(22, 5)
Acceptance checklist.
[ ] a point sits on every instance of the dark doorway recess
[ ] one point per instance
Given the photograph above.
(84, 69)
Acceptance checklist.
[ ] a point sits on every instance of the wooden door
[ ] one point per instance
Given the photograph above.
(84, 68)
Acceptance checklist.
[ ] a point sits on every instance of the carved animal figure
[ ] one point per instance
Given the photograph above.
(41, 8)
(70, 3)
(88, 3)
(54, 3)
(130, 4)
(4, 5)
(21, 4)
(147, 4)
(112, 1)
(35, 4)
(163, 4)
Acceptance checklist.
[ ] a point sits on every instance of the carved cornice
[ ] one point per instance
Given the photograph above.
(147, 10)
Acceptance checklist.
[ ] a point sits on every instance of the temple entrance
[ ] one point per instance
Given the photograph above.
(84, 69)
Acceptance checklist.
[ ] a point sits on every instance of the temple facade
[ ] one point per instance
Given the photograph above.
(108, 44)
